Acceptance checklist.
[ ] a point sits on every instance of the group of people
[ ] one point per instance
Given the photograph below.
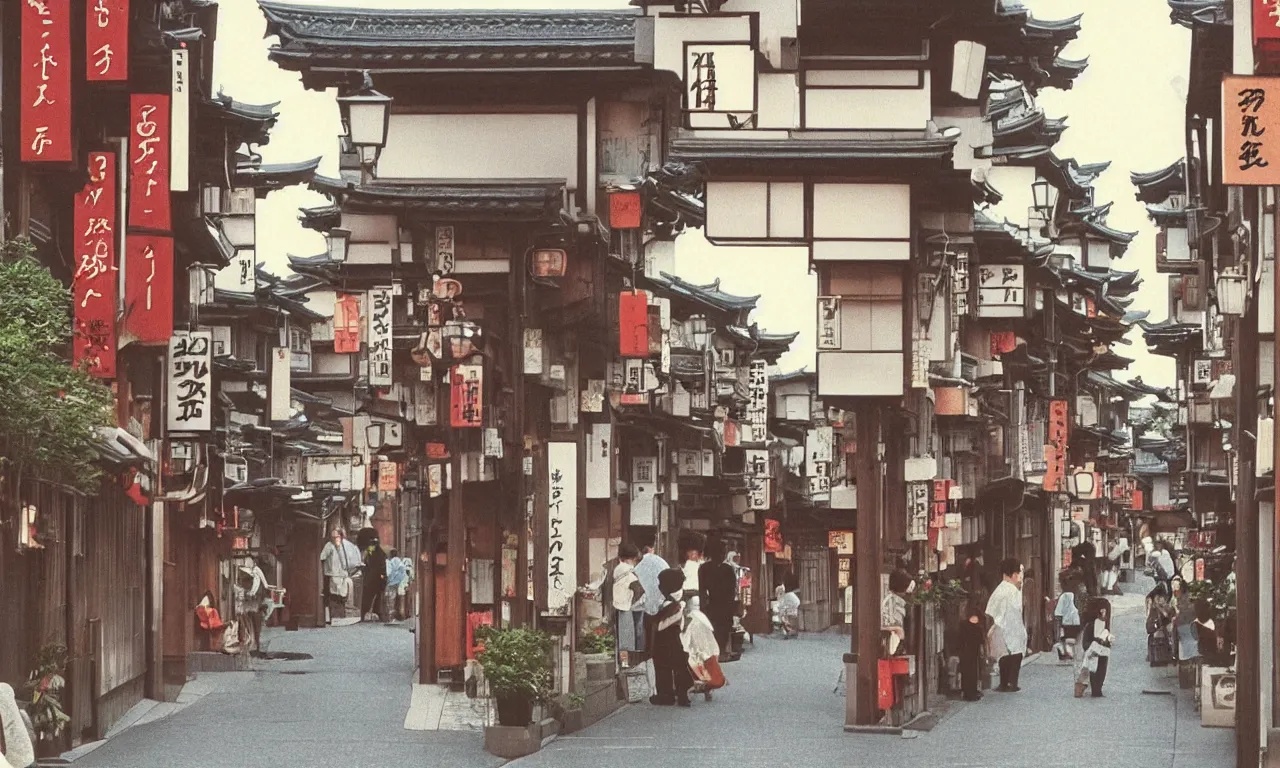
(680, 617)
(998, 631)
(385, 578)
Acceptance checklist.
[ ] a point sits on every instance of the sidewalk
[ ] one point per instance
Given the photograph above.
(780, 710)
(346, 706)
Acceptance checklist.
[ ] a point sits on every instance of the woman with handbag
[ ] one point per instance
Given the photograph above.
(16, 740)
(1096, 638)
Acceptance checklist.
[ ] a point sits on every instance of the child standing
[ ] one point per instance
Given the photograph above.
(972, 641)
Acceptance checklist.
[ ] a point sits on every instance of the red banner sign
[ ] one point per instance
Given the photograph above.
(45, 82)
(346, 325)
(94, 286)
(772, 536)
(106, 38)
(1055, 453)
(466, 408)
(624, 210)
(1266, 20)
(148, 289)
(633, 324)
(149, 161)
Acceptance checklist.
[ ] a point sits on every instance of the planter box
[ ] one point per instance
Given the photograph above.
(600, 666)
(510, 742)
(1217, 697)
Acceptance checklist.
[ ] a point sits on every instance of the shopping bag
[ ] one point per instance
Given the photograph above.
(709, 673)
(231, 637)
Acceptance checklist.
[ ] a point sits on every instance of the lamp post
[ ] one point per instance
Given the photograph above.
(366, 117)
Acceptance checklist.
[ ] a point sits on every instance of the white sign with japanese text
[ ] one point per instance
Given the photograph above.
(828, 322)
(379, 309)
(758, 403)
(190, 381)
(180, 122)
(599, 480)
(562, 527)
(644, 490)
(1001, 290)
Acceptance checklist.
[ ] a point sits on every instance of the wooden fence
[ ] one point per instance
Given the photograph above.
(85, 589)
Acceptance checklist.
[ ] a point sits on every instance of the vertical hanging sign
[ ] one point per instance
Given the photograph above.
(633, 324)
(149, 161)
(466, 404)
(562, 527)
(180, 121)
(190, 382)
(94, 285)
(148, 289)
(828, 322)
(106, 40)
(380, 337)
(758, 404)
(45, 82)
(1055, 453)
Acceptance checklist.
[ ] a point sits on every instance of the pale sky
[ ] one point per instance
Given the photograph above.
(1127, 108)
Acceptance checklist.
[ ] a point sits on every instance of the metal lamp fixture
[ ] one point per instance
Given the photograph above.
(339, 244)
(366, 115)
(375, 435)
(548, 262)
(1233, 290)
(460, 336)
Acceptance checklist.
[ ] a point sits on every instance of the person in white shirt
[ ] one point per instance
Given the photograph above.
(1007, 639)
(1068, 615)
(627, 600)
(16, 747)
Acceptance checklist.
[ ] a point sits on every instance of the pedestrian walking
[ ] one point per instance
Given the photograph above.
(375, 582)
(1096, 638)
(718, 598)
(250, 592)
(1007, 639)
(341, 558)
(399, 574)
(670, 661)
(1067, 616)
(971, 639)
(627, 601)
(17, 742)
(789, 610)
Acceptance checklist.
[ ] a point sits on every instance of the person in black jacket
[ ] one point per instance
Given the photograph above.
(971, 640)
(375, 582)
(718, 587)
(670, 661)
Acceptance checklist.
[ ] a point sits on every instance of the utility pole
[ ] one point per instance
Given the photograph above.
(1248, 641)
(868, 545)
(427, 673)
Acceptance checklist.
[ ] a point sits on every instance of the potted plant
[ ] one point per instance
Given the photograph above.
(46, 685)
(596, 647)
(517, 666)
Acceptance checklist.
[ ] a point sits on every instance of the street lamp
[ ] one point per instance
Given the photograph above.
(366, 116)
(460, 335)
(1233, 291)
(548, 262)
(339, 244)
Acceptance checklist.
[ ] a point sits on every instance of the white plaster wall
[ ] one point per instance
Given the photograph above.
(862, 211)
(856, 374)
(869, 109)
(481, 146)
(779, 106)
(671, 33)
(370, 228)
(778, 19)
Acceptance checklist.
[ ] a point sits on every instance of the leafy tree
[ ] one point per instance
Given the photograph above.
(49, 410)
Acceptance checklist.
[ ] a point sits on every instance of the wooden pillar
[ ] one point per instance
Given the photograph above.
(426, 570)
(455, 567)
(1248, 643)
(866, 641)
